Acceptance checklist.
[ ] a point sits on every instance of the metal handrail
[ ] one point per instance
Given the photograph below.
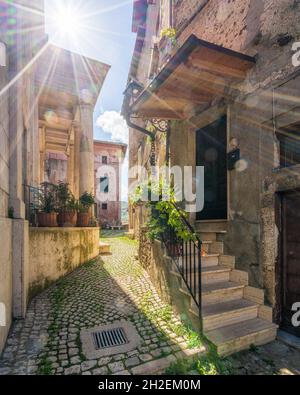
(187, 256)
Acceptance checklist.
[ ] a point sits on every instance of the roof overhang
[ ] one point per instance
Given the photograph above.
(197, 74)
(64, 78)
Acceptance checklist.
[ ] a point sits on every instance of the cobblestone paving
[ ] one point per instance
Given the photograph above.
(109, 289)
(274, 358)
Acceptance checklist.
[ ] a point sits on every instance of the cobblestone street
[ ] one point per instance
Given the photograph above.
(109, 289)
(112, 288)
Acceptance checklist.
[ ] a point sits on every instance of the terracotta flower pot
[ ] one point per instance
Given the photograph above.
(67, 219)
(83, 220)
(47, 220)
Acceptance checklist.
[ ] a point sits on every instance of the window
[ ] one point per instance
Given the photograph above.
(104, 184)
(289, 145)
(104, 206)
(104, 160)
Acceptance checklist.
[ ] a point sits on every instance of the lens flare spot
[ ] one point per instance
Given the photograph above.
(50, 116)
(241, 165)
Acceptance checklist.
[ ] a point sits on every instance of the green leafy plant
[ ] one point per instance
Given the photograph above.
(163, 210)
(86, 201)
(65, 199)
(47, 198)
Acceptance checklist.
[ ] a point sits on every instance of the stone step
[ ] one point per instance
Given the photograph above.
(228, 313)
(236, 337)
(208, 226)
(206, 261)
(219, 292)
(213, 247)
(210, 274)
(211, 236)
(214, 274)
(104, 248)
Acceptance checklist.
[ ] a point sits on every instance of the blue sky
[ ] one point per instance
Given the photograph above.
(100, 29)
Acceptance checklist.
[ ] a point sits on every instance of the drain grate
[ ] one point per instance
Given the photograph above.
(109, 338)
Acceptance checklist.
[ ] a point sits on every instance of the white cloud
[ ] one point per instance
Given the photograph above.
(114, 124)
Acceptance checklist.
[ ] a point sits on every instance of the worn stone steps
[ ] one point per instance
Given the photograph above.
(210, 274)
(206, 235)
(234, 314)
(221, 291)
(236, 337)
(104, 248)
(228, 313)
(213, 247)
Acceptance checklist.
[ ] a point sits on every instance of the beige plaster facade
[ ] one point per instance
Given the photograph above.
(55, 253)
(44, 107)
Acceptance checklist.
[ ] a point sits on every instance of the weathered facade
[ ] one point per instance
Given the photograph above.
(252, 112)
(109, 158)
(45, 106)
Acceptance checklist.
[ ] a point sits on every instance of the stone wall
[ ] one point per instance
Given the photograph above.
(6, 274)
(4, 150)
(159, 267)
(56, 252)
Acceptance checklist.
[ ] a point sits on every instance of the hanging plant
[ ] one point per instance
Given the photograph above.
(163, 212)
(170, 33)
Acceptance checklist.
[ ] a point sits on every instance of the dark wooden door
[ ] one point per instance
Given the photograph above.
(291, 258)
(211, 153)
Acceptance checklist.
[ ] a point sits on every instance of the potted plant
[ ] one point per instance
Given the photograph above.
(67, 206)
(86, 201)
(47, 205)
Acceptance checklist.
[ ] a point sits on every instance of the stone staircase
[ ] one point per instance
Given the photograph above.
(234, 314)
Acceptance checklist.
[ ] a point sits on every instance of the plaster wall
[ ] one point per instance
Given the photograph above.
(56, 252)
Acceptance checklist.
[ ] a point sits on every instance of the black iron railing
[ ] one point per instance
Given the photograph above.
(31, 199)
(186, 253)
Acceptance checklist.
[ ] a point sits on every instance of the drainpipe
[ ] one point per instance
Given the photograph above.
(147, 133)
(168, 156)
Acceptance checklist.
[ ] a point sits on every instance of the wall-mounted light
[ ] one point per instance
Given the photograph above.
(2, 55)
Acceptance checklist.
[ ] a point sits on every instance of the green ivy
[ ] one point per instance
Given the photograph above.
(163, 214)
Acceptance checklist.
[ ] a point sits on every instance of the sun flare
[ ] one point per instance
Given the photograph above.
(66, 20)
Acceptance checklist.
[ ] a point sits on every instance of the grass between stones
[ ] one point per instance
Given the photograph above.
(210, 364)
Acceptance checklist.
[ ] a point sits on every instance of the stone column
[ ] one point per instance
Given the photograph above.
(86, 176)
(42, 138)
(76, 161)
(20, 239)
(16, 129)
(70, 168)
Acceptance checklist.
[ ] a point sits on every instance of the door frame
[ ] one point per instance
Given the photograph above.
(280, 260)
(214, 116)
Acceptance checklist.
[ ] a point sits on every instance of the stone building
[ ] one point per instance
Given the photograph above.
(227, 80)
(47, 96)
(109, 158)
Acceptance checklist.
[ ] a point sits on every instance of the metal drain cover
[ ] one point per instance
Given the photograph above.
(109, 338)
(117, 338)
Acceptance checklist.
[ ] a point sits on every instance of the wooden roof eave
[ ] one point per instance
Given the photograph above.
(198, 73)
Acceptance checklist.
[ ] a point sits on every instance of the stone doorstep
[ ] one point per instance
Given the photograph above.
(104, 248)
(288, 339)
(160, 365)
